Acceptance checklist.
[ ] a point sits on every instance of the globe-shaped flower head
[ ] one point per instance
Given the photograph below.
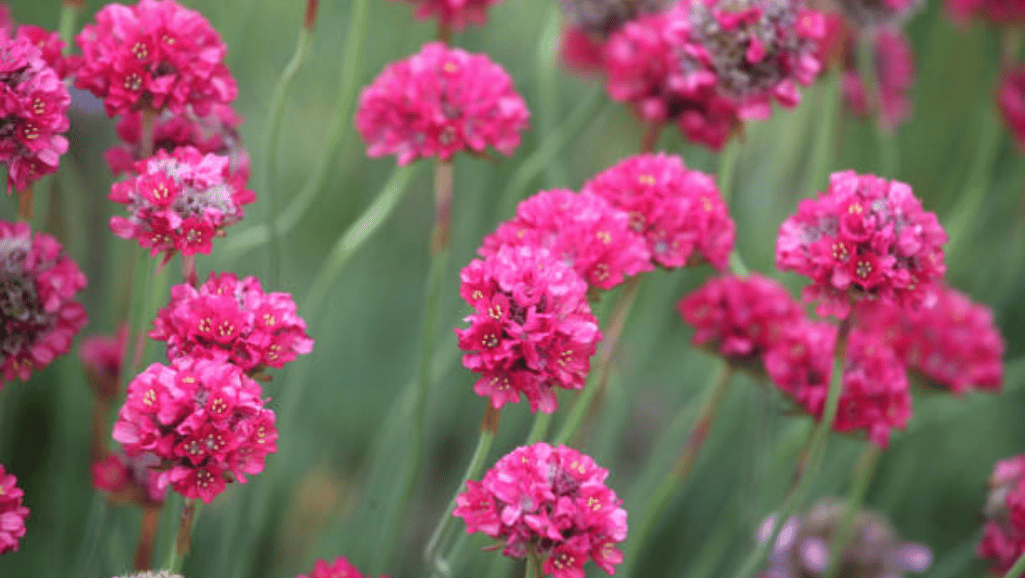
(590, 23)
(12, 512)
(454, 14)
(339, 568)
(1003, 538)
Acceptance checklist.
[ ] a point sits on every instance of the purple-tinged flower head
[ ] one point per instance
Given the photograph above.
(531, 330)
(454, 14)
(12, 512)
(128, 479)
(895, 76)
(231, 320)
(439, 102)
(38, 314)
(1003, 538)
(590, 23)
(102, 356)
(153, 55)
(203, 419)
(588, 233)
(552, 499)
(864, 240)
(179, 201)
(875, 550)
(1010, 13)
(877, 14)
(33, 113)
(152, 574)
(739, 318)
(1011, 101)
(339, 568)
(678, 211)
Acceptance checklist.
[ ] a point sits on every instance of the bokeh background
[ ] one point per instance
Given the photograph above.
(337, 467)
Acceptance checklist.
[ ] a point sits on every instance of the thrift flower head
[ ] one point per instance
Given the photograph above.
(1010, 13)
(153, 55)
(39, 316)
(33, 113)
(678, 211)
(1003, 538)
(864, 239)
(590, 23)
(203, 419)
(153, 574)
(50, 46)
(130, 479)
(231, 320)
(880, 13)
(553, 499)
(340, 568)
(895, 76)
(589, 234)
(1011, 100)
(454, 13)
(12, 512)
(439, 102)
(178, 202)
(101, 357)
(531, 330)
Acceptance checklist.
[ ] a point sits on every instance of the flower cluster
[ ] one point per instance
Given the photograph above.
(880, 13)
(1009, 13)
(439, 102)
(203, 419)
(153, 55)
(584, 230)
(865, 238)
(454, 13)
(531, 329)
(678, 211)
(153, 574)
(550, 499)
(102, 356)
(12, 512)
(39, 316)
(340, 568)
(590, 23)
(1003, 538)
(179, 201)
(130, 479)
(50, 46)
(226, 319)
(1011, 101)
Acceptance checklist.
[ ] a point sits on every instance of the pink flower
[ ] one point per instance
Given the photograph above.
(234, 321)
(591, 236)
(531, 329)
(33, 113)
(203, 419)
(179, 202)
(1011, 100)
(130, 479)
(864, 240)
(553, 499)
(153, 55)
(439, 102)
(340, 568)
(895, 75)
(39, 315)
(12, 512)
(101, 357)
(1010, 13)
(454, 13)
(590, 23)
(880, 13)
(1003, 539)
(50, 46)
(679, 211)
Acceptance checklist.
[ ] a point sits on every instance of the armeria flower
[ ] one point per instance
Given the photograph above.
(739, 318)
(679, 211)
(454, 13)
(874, 550)
(1003, 538)
(130, 479)
(39, 316)
(152, 574)
(12, 512)
(50, 46)
(895, 76)
(584, 230)
(531, 330)
(439, 102)
(178, 202)
(1010, 13)
(101, 357)
(1011, 100)
(153, 55)
(215, 132)
(205, 420)
(33, 113)
(553, 500)
(590, 23)
(340, 568)
(864, 239)
(880, 13)
(234, 321)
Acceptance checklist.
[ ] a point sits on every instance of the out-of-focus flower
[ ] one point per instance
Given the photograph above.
(12, 512)
(590, 23)
(456, 14)
(101, 357)
(1003, 538)
(130, 479)
(153, 574)
(1010, 13)
(339, 568)
(880, 13)
(1011, 100)
(895, 76)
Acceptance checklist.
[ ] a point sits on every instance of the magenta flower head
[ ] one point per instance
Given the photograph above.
(1011, 101)
(152, 574)
(38, 313)
(550, 499)
(678, 211)
(33, 113)
(130, 479)
(151, 56)
(340, 568)
(101, 357)
(204, 420)
(12, 512)
(590, 23)
(1010, 13)
(231, 320)
(439, 102)
(179, 201)
(454, 14)
(50, 46)
(531, 330)
(589, 234)
(1003, 538)
(895, 75)
(865, 239)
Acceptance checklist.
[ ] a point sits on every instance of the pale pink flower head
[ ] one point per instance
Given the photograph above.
(12, 512)
(880, 13)
(895, 75)
(1011, 101)
(179, 201)
(153, 55)
(1010, 13)
(454, 14)
(552, 499)
(33, 113)
(38, 311)
(1003, 539)
(439, 102)
(203, 419)
(679, 211)
(587, 232)
(590, 23)
(232, 320)
(101, 357)
(339, 568)
(531, 329)
(864, 240)
(128, 479)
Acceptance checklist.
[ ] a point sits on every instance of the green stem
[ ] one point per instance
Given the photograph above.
(184, 538)
(549, 79)
(1017, 569)
(885, 141)
(727, 170)
(66, 27)
(533, 565)
(963, 215)
(863, 473)
(540, 428)
(823, 154)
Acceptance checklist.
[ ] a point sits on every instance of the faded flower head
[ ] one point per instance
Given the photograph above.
(38, 313)
(339, 568)
(552, 499)
(880, 13)
(1010, 13)
(153, 574)
(531, 330)
(1011, 101)
(895, 75)
(130, 479)
(455, 14)
(12, 512)
(439, 102)
(590, 23)
(101, 357)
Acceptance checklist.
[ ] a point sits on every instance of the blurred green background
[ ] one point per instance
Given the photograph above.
(930, 482)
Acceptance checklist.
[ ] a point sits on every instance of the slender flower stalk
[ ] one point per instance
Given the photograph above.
(147, 536)
(183, 540)
(886, 142)
(533, 565)
(651, 134)
(824, 153)
(25, 203)
(1017, 569)
(962, 216)
(863, 473)
(68, 16)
